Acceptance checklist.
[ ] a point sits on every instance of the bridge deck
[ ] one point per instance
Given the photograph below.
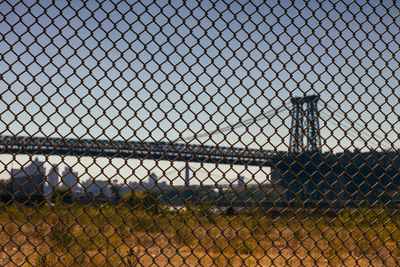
(135, 149)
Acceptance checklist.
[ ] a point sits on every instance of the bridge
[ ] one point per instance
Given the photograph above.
(303, 171)
(304, 137)
(133, 149)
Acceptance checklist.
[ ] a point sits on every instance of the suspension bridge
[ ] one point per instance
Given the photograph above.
(304, 136)
(303, 171)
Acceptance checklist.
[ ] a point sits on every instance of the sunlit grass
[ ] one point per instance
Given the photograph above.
(120, 236)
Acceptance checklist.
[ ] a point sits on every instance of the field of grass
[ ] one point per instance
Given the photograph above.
(106, 235)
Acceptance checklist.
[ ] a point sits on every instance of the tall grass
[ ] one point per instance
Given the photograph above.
(120, 236)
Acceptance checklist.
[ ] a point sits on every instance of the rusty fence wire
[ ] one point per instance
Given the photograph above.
(199, 133)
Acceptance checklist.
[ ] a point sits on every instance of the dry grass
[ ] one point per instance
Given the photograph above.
(109, 236)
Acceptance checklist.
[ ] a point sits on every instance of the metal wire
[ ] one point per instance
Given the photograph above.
(199, 133)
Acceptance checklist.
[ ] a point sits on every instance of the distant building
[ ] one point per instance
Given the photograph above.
(52, 177)
(152, 181)
(29, 182)
(241, 182)
(52, 181)
(70, 179)
(133, 185)
(98, 187)
(162, 184)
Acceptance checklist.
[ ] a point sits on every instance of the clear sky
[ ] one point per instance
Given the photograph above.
(158, 70)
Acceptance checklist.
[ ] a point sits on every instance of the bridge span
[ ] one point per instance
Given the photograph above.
(304, 137)
(170, 151)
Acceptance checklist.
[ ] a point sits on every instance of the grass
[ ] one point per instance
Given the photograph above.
(106, 235)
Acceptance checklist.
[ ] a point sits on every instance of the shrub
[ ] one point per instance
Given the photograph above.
(143, 201)
(62, 195)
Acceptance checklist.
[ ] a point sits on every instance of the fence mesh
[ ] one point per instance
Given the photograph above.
(199, 133)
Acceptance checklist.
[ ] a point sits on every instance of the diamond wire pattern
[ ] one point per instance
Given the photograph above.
(159, 133)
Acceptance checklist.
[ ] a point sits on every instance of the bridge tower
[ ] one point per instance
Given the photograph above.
(304, 131)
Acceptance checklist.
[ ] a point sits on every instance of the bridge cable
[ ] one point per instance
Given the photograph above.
(238, 124)
(328, 118)
(359, 130)
(222, 178)
(355, 134)
(360, 126)
(351, 132)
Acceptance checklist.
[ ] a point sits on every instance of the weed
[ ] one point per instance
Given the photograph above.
(101, 235)
(131, 258)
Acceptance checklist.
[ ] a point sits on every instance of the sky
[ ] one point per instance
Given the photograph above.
(167, 70)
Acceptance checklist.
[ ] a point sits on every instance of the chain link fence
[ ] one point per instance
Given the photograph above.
(199, 133)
